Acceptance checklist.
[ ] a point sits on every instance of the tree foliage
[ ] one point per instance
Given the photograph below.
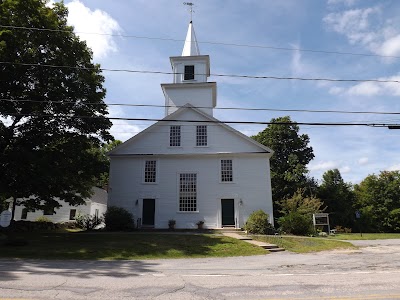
(46, 147)
(291, 156)
(378, 200)
(338, 196)
(105, 161)
(297, 213)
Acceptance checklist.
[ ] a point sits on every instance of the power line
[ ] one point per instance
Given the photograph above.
(208, 107)
(205, 121)
(214, 74)
(206, 42)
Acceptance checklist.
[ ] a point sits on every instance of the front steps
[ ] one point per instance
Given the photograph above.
(267, 246)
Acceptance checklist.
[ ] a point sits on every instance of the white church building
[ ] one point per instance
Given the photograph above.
(190, 167)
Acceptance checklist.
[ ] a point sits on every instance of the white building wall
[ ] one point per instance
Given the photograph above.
(250, 187)
(61, 214)
(201, 96)
(155, 140)
(97, 201)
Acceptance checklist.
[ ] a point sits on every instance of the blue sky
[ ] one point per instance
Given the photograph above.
(355, 26)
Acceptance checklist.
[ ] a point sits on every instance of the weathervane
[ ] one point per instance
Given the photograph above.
(190, 4)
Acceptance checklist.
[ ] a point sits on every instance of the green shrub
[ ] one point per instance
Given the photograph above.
(296, 223)
(88, 222)
(118, 219)
(257, 223)
(43, 219)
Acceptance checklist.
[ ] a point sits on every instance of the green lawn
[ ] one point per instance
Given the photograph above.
(365, 236)
(120, 246)
(304, 244)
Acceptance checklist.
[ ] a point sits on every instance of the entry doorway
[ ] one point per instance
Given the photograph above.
(228, 212)
(149, 208)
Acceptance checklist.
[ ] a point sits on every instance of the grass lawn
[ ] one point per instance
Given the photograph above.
(120, 246)
(365, 236)
(304, 244)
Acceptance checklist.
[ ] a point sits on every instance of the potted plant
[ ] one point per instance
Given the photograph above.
(171, 224)
(200, 224)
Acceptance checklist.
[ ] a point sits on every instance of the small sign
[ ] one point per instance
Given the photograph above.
(358, 214)
(5, 218)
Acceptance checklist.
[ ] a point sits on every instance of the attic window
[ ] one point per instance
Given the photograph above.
(201, 135)
(175, 136)
(189, 73)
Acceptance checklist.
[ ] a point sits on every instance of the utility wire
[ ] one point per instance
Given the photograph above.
(217, 75)
(204, 42)
(204, 121)
(206, 107)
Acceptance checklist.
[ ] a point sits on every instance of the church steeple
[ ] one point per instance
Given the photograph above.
(191, 48)
(190, 85)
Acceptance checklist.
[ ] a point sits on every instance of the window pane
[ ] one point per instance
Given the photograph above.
(226, 170)
(201, 135)
(150, 170)
(48, 211)
(188, 192)
(175, 136)
(189, 73)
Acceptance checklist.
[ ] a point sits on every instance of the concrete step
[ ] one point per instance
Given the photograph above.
(276, 249)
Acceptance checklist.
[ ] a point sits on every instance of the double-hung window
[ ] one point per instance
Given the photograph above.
(226, 170)
(188, 192)
(175, 136)
(150, 171)
(201, 135)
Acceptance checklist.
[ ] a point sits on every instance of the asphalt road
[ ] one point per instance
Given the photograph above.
(372, 272)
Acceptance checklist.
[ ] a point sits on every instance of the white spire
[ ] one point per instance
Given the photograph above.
(191, 48)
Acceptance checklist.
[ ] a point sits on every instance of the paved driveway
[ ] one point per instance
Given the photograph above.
(371, 272)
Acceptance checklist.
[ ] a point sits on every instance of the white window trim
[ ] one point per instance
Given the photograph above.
(178, 192)
(144, 169)
(233, 170)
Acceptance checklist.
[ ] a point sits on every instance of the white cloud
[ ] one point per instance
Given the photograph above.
(345, 169)
(363, 161)
(354, 24)
(371, 88)
(394, 168)
(391, 46)
(324, 165)
(365, 89)
(122, 130)
(365, 27)
(50, 3)
(345, 2)
(97, 21)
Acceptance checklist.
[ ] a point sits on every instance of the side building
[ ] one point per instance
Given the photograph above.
(96, 205)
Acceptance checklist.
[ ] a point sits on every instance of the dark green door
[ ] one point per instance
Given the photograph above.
(228, 212)
(149, 206)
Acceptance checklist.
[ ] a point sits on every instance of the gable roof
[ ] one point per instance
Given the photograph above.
(173, 117)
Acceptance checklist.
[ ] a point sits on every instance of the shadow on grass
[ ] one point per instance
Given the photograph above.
(86, 253)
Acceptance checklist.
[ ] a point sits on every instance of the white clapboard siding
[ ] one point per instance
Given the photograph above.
(97, 201)
(250, 187)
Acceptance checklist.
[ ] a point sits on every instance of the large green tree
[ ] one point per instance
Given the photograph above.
(338, 196)
(378, 200)
(289, 162)
(51, 107)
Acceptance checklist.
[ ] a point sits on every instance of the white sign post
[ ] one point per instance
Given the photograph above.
(5, 218)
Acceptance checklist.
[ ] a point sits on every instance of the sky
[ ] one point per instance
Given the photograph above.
(313, 38)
